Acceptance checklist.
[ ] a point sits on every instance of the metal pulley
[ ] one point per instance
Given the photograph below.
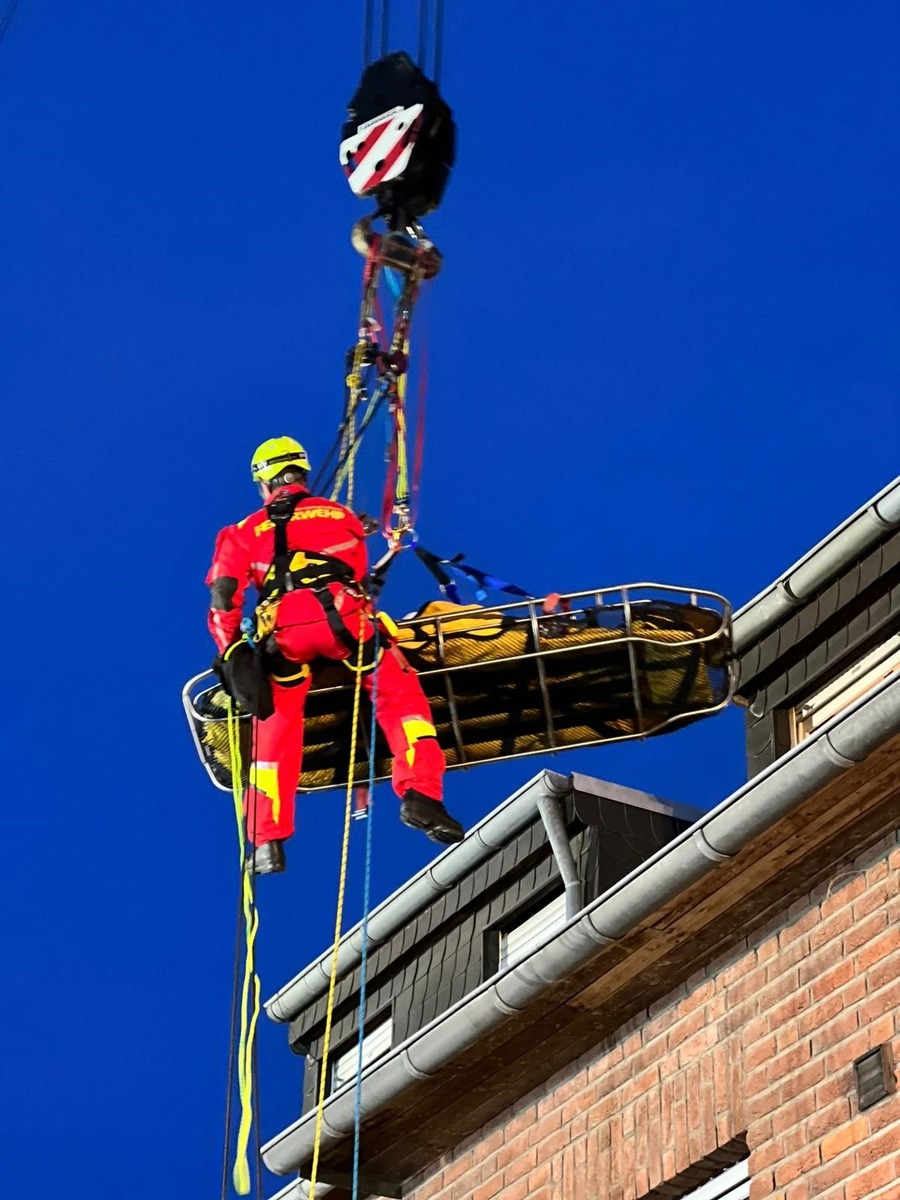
(399, 142)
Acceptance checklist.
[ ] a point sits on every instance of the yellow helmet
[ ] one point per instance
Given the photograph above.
(271, 458)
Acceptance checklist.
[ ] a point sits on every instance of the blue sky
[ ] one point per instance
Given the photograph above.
(664, 346)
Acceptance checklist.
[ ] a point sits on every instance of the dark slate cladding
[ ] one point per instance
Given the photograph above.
(856, 611)
(451, 947)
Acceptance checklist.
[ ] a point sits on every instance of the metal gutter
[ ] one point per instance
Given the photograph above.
(867, 526)
(495, 830)
(845, 740)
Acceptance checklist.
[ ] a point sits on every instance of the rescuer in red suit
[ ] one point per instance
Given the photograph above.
(306, 558)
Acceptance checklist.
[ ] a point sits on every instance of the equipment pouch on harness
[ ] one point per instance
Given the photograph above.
(244, 677)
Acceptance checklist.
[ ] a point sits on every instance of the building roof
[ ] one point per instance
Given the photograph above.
(497, 829)
(867, 526)
(628, 946)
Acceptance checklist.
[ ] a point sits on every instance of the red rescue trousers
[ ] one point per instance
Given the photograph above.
(401, 709)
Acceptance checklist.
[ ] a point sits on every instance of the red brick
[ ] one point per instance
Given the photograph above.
(755, 1029)
(684, 1028)
(489, 1189)
(836, 1086)
(696, 997)
(747, 986)
(874, 1034)
(834, 1144)
(459, 1166)
(831, 928)
(553, 1144)
(766, 1156)
(523, 1120)
(835, 1031)
(520, 1165)
(884, 1113)
(876, 896)
(829, 1118)
(880, 976)
(798, 1164)
(827, 969)
(791, 1060)
(804, 1079)
(540, 1177)
(513, 1148)
(821, 1013)
(780, 989)
(697, 1045)
(879, 948)
(761, 1185)
(864, 931)
(759, 1054)
(844, 895)
(797, 928)
(578, 1127)
(737, 970)
(885, 1146)
(799, 1190)
(542, 1128)
(787, 1035)
(866, 1182)
(833, 1172)
(795, 1112)
(517, 1191)
(884, 1001)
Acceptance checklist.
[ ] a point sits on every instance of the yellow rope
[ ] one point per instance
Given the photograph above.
(339, 917)
(241, 1174)
(402, 456)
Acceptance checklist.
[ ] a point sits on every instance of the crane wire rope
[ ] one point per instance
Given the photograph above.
(436, 29)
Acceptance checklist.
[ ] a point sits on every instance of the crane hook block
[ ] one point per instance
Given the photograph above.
(399, 141)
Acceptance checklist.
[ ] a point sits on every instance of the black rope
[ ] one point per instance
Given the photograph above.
(385, 25)
(367, 33)
(438, 38)
(6, 17)
(423, 19)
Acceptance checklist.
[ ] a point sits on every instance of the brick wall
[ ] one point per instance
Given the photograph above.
(760, 1044)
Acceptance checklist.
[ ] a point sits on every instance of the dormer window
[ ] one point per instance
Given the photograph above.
(376, 1041)
(517, 940)
(840, 693)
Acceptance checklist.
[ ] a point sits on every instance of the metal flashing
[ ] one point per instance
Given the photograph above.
(451, 868)
(800, 582)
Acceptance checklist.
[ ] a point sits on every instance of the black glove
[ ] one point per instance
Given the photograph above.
(243, 676)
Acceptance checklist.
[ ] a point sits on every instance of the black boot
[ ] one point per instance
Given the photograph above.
(267, 859)
(421, 812)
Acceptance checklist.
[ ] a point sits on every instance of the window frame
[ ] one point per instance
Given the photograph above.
(347, 1051)
(843, 689)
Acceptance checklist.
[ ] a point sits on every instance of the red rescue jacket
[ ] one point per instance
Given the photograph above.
(244, 553)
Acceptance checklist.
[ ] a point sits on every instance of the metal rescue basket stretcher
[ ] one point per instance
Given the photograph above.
(511, 680)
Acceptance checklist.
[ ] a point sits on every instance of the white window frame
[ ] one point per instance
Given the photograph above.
(518, 940)
(861, 677)
(731, 1184)
(376, 1042)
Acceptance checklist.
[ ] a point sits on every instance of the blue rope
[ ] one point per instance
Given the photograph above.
(364, 952)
